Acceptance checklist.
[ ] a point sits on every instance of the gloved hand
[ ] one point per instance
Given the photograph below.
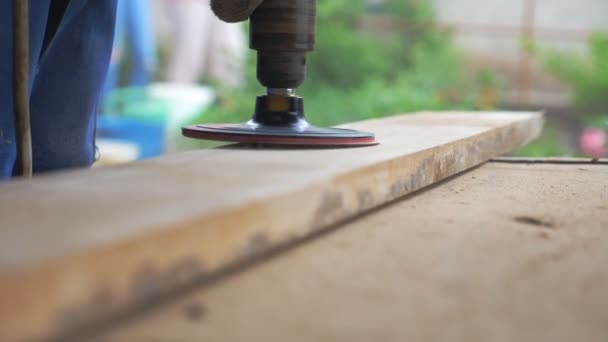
(233, 11)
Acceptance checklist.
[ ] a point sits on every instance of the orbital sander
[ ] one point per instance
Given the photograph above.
(282, 32)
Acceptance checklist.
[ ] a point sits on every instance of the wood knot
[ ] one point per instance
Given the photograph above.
(195, 311)
(529, 220)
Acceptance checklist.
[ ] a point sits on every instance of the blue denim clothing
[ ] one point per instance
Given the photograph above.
(67, 72)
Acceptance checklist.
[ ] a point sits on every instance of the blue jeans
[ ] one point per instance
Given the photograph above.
(67, 72)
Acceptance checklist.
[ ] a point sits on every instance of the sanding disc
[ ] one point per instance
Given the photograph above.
(280, 135)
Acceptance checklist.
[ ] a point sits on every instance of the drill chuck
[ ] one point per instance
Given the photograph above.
(283, 32)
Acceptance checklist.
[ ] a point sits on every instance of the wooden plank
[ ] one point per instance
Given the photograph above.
(79, 247)
(501, 253)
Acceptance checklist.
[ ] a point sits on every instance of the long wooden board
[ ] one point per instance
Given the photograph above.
(76, 248)
(502, 253)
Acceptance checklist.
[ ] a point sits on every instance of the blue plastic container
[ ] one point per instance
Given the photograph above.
(133, 116)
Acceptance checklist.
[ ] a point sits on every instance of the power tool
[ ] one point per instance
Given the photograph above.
(283, 33)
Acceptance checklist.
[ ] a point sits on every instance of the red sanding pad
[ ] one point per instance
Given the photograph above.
(252, 133)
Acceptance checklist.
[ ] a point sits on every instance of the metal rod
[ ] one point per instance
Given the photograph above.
(21, 87)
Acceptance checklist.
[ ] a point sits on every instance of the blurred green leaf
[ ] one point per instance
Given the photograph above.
(547, 145)
(587, 76)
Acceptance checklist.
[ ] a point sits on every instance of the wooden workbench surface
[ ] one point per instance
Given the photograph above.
(506, 252)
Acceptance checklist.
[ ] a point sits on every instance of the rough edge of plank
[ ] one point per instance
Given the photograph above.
(74, 291)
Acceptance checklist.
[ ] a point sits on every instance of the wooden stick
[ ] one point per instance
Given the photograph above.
(21, 96)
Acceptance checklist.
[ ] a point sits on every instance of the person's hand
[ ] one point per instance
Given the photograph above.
(233, 11)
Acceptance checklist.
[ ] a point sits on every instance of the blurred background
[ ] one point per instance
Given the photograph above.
(174, 64)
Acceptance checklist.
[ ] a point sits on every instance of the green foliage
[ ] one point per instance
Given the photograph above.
(346, 57)
(546, 145)
(358, 73)
(588, 76)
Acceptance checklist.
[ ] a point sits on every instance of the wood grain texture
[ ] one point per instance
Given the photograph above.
(501, 253)
(76, 248)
